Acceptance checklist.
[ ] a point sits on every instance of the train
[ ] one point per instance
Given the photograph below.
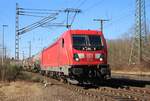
(77, 56)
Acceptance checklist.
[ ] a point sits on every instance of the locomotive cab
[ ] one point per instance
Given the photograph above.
(89, 57)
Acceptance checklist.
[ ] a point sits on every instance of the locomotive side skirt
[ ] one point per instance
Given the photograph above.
(103, 69)
(62, 69)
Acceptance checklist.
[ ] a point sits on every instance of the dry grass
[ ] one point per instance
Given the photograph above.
(29, 91)
(27, 76)
(17, 90)
(131, 68)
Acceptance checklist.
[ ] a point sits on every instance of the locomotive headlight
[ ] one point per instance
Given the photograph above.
(102, 56)
(76, 57)
(99, 56)
(100, 59)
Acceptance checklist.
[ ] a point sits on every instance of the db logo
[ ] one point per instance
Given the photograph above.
(89, 57)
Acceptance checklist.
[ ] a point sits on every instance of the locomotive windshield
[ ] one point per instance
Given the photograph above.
(87, 42)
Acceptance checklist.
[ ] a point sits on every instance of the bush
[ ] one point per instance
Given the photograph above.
(9, 72)
(31, 77)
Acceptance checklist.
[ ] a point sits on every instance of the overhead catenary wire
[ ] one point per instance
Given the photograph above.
(36, 24)
(42, 20)
(28, 12)
(73, 19)
(29, 9)
(36, 13)
(33, 15)
(60, 24)
(47, 17)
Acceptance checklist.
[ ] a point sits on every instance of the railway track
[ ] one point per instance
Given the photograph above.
(124, 94)
(111, 94)
(106, 93)
(140, 90)
(96, 96)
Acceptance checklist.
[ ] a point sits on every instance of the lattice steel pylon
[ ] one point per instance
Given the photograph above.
(17, 33)
(139, 47)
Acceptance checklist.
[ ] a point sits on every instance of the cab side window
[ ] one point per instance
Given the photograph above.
(63, 42)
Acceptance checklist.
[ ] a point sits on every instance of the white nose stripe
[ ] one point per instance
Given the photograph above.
(81, 55)
(97, 56)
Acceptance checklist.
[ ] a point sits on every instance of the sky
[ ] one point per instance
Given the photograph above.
(120, 13)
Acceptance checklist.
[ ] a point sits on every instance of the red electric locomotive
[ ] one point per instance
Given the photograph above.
(78, 56)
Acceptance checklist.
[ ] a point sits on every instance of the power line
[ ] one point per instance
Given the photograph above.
(93, 6)
(119, 18)
(81, 4)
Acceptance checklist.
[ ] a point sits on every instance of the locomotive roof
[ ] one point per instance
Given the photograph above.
(84, 31)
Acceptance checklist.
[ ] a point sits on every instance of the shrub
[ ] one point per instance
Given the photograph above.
(9, 72)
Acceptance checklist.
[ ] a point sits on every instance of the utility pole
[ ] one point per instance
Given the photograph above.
(138, 50)
(3, 44)
(5, 53)
(17, 33)
(23, 55)
(29, 49)
(101, 22)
